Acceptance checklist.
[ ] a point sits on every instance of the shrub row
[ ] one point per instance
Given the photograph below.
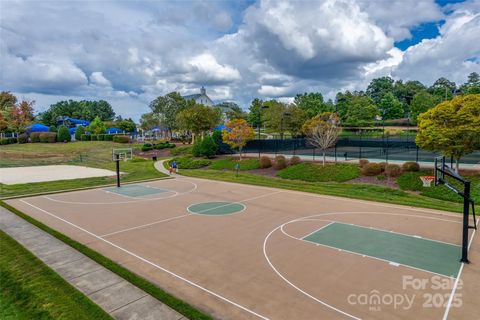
(158, 146)
(391, 170)
(45, 137)
(279, 163)
(5, 141)
(104, 137)
(205, 147)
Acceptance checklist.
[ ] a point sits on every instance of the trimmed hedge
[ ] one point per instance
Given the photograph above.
(280, 162)
(410, 166)
(339, 172)
(79, 133)
(295, 160)
(22, 138)
(363, 162)
(121, 138)
(48, 137)
(35, 137)
(86, 137)
(108, 137)
(94, 137)
(265, 162)
(5, 141)
(63, 134)
(393, 170)
(371, 169)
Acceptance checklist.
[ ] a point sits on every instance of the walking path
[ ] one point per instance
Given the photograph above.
(119, 298)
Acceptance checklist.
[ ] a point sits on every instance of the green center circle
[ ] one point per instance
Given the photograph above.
(217, 208)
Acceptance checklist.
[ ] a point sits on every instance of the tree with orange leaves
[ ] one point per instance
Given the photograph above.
(237, 134)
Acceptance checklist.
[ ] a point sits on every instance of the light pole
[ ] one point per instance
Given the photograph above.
(259, 125)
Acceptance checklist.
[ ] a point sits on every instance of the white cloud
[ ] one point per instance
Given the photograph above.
(205, 68)
(97, 78)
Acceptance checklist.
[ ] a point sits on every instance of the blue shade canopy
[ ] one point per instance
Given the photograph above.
(114, 130)
(37, 127)
(221, 128)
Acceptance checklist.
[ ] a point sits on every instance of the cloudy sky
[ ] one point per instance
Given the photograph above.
(129, 52)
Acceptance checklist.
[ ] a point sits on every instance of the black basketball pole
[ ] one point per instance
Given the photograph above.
(117, 160)
(466, 207)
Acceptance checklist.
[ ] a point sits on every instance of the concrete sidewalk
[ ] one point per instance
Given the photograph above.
(119, 298)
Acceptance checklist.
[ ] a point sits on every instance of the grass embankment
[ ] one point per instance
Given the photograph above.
(317, 173)
(31, 290)
(156, 292)
(355, 191)
(96, 154)
(229, 164)
(411, 181)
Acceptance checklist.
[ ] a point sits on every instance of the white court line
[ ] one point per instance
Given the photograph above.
(195, 186)
(316, 229)
(326, 214)
(454, 289)
(399, 233)
(230, 203)
(142, 226)
(150, 263)
(336, 198)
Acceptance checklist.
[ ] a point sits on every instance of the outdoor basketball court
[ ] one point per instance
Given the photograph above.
(247, 252)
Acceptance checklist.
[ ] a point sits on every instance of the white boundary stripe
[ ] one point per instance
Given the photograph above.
(402, 234)
(240, 202)
(326, 214)
(150, 263)
(294, 286)
(143, 226)
(454, 289)
(337, 198)
(314, 231)
(195, 186)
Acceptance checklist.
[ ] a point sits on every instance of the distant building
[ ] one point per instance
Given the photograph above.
(200, 98)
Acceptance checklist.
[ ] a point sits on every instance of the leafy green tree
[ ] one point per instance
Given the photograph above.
(275, 117)
(198, 119)
(232, 110)
(85, 110)
(205, 147)
(78, 133)
(378, 88)
(255, 112)
(127, 125)
(472, 86)
(237, 135)
(312, 104)
(295, 121)
(356, 108)
(443, 89)
(422, 102)
(97, 126)
(452, 127)
(148, 121)
(405, 92)
(390, 107)
(166, 109)
(63, 135)
(52, 129)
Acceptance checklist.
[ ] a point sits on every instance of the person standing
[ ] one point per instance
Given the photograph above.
(174, 166)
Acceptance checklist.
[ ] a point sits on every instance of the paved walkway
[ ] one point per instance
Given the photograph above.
(112, 293)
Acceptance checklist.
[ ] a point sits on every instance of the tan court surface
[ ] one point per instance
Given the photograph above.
(253, 262)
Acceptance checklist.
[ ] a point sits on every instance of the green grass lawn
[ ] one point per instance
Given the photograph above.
(31, 290)
(339, 172)
(411, 181)
(229, 164)
(356, 191)
(97, 154)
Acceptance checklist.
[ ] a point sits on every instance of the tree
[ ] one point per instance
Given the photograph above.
(85, 110)
(166, 109)
(405, 92)
(356, 108)
(198, 119)
(275, 116)
(20, 115)
(97, 126)
(378, 88)
(63, 134)
(472, 86)
(205, 147)
(148, 121)
(255, 113)
(79, 132)
(452, 127)
(232, 110)
(52, 129)
(295, 120)
(237, 134)
(322, 131)
(127, 125)
(390, 107)
(422, 102)
(443, 89)
(312, 104)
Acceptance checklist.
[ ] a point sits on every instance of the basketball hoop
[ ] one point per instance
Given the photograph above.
(427, 181)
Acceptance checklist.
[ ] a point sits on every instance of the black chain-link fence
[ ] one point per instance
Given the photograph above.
(380, 149)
